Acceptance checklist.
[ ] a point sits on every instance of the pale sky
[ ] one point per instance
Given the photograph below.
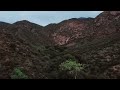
(44, 17)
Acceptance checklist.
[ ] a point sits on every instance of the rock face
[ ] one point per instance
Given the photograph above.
(108, 22)
(26, 45)
(69, 30)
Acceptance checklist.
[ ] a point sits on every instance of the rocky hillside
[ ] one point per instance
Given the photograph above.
(28, 50)
(69, 30)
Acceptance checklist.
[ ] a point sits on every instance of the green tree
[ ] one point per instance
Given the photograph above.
(72, 67)
(18, 74)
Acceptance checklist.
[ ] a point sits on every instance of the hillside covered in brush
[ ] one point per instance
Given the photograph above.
(78, 48)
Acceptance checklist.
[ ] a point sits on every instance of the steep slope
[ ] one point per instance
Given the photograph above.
(102, 51)
(69, 30)
(104, 30)
(15, 53)
(27, 31)
(19, 45)
(39, 50)
(107, 23)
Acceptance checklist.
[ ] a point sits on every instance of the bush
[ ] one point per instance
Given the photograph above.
(69, 56)
(18, 74)
(72, 67)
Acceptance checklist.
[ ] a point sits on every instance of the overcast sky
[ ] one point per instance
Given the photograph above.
(44, 17)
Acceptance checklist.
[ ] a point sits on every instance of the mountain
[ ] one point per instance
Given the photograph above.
(68, 30)
(28, 49)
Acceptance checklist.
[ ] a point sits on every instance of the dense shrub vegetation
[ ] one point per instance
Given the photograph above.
(84, 48)
(18, 74)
